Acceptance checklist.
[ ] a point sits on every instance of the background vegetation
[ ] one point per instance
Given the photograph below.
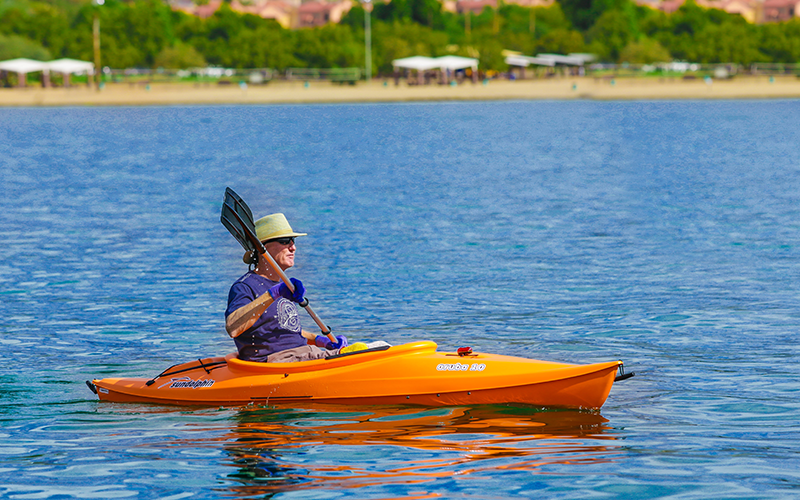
(148, 34)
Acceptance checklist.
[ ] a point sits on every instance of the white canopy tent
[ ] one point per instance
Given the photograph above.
(69, 67)
(22, 67)
(561, 59)
(587, 58)
(419, 63)
(444, 63)
(525, 61)
(457, 62)
(549, 60)
(568, 60)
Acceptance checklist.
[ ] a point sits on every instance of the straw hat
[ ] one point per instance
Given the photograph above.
(274, 226)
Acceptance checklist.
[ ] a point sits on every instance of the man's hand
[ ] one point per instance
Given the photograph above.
(281, 290)
(325, 343)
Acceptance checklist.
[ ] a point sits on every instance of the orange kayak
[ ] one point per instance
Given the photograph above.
(414, 373)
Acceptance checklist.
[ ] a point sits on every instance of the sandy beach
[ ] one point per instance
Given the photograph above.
(125, 94)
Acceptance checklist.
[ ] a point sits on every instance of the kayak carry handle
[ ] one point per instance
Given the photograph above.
(622, 375)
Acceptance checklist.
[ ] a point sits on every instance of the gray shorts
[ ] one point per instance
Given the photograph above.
(302, 353)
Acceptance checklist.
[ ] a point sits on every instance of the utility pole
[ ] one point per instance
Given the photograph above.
(367, 40)
(96, 42)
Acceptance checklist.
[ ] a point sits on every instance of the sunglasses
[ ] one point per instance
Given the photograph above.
(283, 241)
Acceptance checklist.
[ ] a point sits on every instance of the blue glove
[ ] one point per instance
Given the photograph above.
(325, 343)
(281, 290)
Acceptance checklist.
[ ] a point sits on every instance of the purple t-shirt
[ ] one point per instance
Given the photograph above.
(276, 330)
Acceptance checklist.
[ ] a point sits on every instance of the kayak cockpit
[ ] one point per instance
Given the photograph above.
(339, 360)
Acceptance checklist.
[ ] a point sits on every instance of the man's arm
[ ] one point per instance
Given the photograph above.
(243, 318)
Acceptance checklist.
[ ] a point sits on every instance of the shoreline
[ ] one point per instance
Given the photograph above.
(296, 92)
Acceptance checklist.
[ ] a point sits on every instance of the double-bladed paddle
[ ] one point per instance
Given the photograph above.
(237, 218)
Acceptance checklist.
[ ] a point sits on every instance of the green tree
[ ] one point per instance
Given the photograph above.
(274, 47)
(41, 23)
(329, 46)
(179, 56)
(584, 13)
(644, 51)
(144, 26)
(424, 12)
(727, 43)
(561, 41)
(610, 34)
(13, 46)
(781, 42)
(690, 18)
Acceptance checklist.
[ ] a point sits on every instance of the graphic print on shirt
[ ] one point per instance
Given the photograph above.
(288, 318)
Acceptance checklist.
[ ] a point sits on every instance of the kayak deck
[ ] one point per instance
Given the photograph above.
(413, 373)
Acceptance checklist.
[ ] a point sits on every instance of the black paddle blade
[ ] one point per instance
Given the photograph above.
(236, 201)
(238, 220)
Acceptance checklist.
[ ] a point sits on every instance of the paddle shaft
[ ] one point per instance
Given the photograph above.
(275, 267)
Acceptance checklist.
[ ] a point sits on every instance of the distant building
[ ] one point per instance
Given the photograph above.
(477, 6)
(283, 12)
(207, 10)
(474, 6)
(753, 11)
(775, 11)
(316, 13)
(288, 13)
(746, 8)
(532, 3)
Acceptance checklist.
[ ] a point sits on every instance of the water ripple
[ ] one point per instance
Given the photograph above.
(661, 233)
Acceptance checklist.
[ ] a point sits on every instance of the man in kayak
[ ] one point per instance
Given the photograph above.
(262, 313)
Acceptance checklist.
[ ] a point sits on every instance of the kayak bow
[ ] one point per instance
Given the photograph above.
(412, 373)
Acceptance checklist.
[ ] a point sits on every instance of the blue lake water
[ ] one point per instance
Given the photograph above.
(665, 234)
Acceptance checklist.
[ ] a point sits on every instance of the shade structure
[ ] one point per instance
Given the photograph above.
(587, 58)
(454, 63)
(70, 66)
(568, 60)
(419, 63)
(66, 66)
(424, 63)
(549, 60)
(446, 64)
(525, 61)
(23, 65)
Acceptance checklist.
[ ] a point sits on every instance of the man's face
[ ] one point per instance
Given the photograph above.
(282, 250)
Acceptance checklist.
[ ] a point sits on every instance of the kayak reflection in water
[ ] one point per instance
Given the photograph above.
(262, 315)
(276, 450)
